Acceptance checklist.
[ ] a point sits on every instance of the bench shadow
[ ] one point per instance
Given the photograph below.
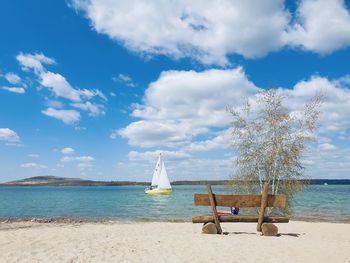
(290, 234)
(238, 233)
(254, 233)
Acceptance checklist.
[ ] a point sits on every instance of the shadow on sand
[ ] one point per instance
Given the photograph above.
(254, 233)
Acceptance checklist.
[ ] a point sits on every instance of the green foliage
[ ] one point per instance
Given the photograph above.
(270, 141)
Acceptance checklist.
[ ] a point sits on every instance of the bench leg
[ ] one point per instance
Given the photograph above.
(213, 209)
(209, 228)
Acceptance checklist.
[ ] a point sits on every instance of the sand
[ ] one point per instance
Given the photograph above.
(171, 242)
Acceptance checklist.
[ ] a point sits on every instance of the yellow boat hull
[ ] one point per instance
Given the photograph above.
(158, 191)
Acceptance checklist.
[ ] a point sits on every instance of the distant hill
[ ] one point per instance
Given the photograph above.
(45, 180)
(64, 181)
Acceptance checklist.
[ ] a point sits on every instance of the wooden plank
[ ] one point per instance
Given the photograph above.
(264, 197)
(213, 209)
(239, 218)
(240, 200)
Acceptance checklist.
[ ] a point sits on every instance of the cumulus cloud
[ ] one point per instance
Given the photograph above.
(67, 150)
(183, 104)
(18, 90)
(67, 116)
(221, 140)
(154, 133)
(206, 31)
(184, 112)
(335, 107)
(320, 26)
(8, 135)
(82, 159)
(209, 31)
(33, 165)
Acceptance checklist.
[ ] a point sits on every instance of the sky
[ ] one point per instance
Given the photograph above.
(96, 89)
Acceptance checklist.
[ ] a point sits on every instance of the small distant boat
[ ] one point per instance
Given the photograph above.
(160, 182)
(325, 184)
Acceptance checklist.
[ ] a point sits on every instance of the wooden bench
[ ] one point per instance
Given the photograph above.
(264, 200)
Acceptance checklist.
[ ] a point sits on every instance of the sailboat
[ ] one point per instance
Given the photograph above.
(160, 182)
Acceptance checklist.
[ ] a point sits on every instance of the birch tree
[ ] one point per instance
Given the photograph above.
(270, 141)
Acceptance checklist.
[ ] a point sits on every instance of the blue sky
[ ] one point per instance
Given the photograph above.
(94, 89)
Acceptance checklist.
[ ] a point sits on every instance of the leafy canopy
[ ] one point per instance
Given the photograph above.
(270, 140)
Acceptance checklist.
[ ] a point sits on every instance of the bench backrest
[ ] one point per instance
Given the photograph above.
(278, 201)
(264, 200)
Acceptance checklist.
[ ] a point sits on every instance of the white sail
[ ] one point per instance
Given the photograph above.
(163, 181)
(156, 173)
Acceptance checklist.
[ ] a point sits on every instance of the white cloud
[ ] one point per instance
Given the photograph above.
(336, 106)
(12, 78)
(321, 26)
(33, 165)
(8, 135)
(34, 61)
(82, 159)
(133, 155)
(93, 109)
(155, 133)
(327, 147)
(89, 94)
(67, 150)
(183, 104)
(126, 79)
(205, 31)
(67, 116)
(18, 90)
(209, 31)
(221, 140)
(59, 86)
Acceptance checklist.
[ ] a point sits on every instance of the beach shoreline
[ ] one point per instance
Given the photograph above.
(72, 220)
(128, 241)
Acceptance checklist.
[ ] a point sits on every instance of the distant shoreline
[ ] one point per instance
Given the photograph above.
(61, 181)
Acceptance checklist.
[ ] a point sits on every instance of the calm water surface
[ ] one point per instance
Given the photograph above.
(318, 202)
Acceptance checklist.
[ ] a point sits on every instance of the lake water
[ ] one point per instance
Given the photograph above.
(318, 202)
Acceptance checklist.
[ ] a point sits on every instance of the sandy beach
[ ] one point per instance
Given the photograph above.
(171, 242)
